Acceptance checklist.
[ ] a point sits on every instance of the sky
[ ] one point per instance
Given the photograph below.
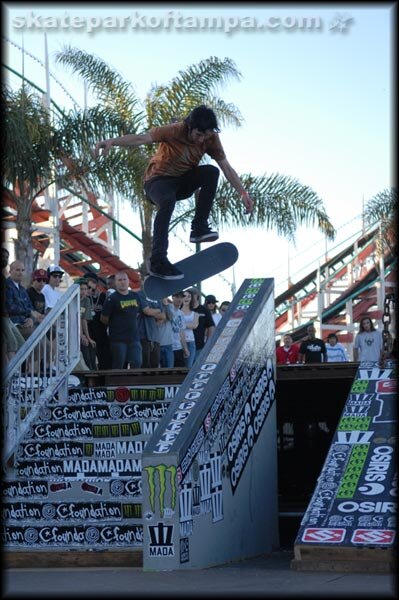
(316, 94)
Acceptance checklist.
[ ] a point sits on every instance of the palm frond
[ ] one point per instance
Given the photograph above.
(191, 87)
(280, 202)
(382, 209)
(382, 206)
(104, 81)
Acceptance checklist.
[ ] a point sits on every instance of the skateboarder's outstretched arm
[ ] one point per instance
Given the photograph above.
(131, 139)
(235, 181)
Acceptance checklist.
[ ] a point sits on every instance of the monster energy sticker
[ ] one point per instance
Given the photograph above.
(162, 488)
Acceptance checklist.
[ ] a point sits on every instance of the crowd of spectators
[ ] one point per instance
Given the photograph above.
(368, 347)
(121, 328)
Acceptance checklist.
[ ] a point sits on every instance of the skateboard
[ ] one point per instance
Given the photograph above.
(196, 268)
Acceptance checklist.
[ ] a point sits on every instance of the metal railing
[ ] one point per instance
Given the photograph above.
(40, 369)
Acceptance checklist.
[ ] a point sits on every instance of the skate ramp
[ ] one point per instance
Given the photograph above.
(210, 470)
(350, 523)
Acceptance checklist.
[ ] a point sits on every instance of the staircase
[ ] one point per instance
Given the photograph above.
(338, 293)
(73, 492)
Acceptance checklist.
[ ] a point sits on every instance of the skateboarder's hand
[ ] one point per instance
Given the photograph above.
(248, 202)
(104, 145)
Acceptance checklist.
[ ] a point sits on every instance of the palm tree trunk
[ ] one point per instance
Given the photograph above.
(146, 219)
(23, 243)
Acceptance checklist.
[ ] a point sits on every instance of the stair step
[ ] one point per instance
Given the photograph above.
(57, 559)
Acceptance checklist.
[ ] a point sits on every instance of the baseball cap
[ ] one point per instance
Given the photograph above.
(39, 274)
(54, 269)
(210, 298)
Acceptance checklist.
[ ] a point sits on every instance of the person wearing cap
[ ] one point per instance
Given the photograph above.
(174, 173)
(18, 304)
(39, 280)
(211, 302)
(51, 294)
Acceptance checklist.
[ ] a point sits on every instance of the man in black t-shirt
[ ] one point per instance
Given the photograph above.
(312, 350)
(120, 313)
(39, 280)
(97, 329)
(206, 325)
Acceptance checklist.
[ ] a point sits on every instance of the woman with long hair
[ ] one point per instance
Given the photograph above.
(368, 343)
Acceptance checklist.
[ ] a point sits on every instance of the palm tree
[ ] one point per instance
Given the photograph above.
(381, 209)
(27, 162)
(280, 201)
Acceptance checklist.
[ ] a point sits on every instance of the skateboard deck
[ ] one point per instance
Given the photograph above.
(196, 268)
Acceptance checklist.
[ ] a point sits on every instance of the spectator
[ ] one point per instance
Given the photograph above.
(335, 350)
(150, 315)
(312, 350)
(87, 344)
(287, 354)
(50, 292)
(18, 304)
(191, 320)
(211, 304)
(368, 345)
(120, 312)
(97, 329)
(206, 326)
(223, 307)
(179, 343)
(166, 336)
(110, 285)
(12, 339)
(39, 280)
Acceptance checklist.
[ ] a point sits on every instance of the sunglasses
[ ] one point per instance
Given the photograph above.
(92, 289)
(56, 275)
(41, 280)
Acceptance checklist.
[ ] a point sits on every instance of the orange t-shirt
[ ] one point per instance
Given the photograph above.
(175, 154)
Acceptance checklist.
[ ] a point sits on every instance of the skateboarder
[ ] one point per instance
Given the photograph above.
(173, 173)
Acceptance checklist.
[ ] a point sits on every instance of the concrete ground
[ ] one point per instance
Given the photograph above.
(263, 577)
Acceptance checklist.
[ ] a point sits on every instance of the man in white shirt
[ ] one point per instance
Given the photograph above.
(51, 294)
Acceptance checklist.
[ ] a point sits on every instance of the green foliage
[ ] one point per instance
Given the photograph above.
(382, 206)
(280, 202)
(28, 141)
(35, 146)
(382, 209)
(196, 85)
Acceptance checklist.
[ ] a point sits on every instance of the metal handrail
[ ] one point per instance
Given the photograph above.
(40, 368)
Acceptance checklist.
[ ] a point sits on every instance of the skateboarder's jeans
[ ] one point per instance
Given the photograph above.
(165, 191)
